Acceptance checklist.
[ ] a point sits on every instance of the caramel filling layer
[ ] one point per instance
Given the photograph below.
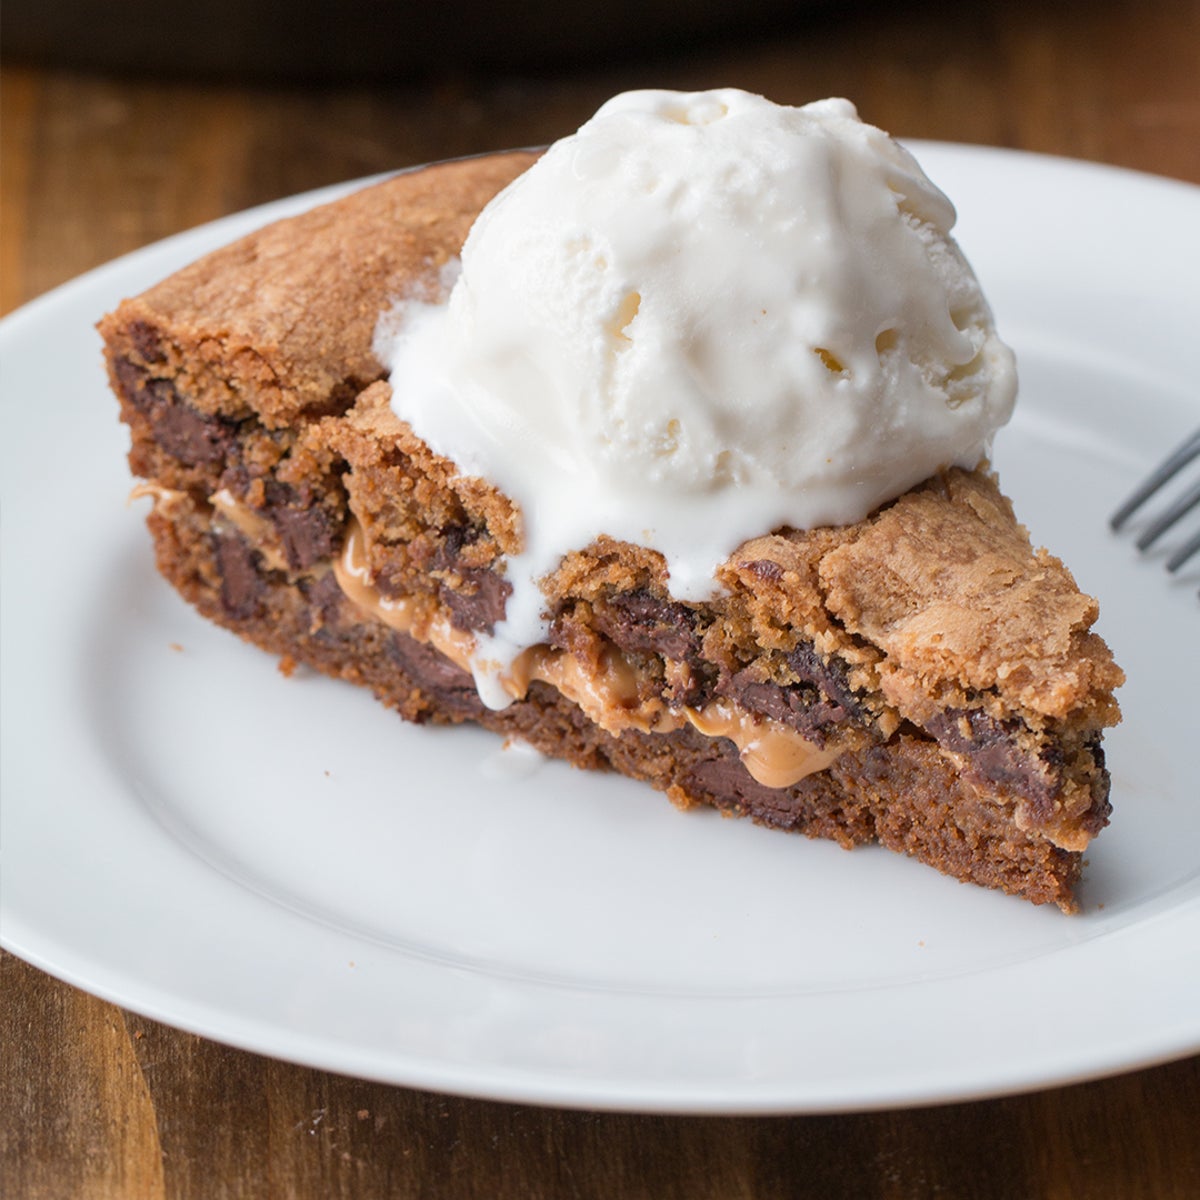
(227, 510)
(773, 754)
(164, 498)
(607, 691)
(254, 527)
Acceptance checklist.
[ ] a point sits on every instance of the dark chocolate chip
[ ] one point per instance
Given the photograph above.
(991, 749)
(146, 341)
(820, 700)
(190, 436)
(801, 707)
(478, 598)
(641, 622)
(241, 586)
(325, 596)
(306, 534)
(727, 784)
(453, 538)
(193, 439)
(131, 381)
(478, 603)
(831, 676)
(433, 673)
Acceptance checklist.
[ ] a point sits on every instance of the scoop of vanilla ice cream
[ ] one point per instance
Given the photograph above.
(700, 318)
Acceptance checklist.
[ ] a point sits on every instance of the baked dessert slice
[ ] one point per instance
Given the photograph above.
(922, 678)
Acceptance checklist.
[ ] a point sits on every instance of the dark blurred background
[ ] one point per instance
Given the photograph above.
(376, 40)
(127, 120)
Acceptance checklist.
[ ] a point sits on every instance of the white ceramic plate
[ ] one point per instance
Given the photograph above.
(284, 866)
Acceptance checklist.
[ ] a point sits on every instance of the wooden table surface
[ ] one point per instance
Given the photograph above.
(98, 1102)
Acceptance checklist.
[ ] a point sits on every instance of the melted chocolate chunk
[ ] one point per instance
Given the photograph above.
(478, 599)
(821, 700)
(993, 754)
(479, 602)
(728, 785)
(241, 587)
(453, 539)
(642, 622)
(831, 677)
(728, 781)
(799, 706)
(190, 436)
(435, 674)
(146, 341)
(306, 534)
(325, 596)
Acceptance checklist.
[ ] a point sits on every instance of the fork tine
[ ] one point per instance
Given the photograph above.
(1171, 466)
(1161, 524)
(1184, 553)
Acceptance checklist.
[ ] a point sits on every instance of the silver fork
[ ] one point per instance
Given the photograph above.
(1180, 457)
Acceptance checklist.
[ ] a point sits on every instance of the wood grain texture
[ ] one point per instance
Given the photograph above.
(97, 1102)
(101, 1103)
(93, 167)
